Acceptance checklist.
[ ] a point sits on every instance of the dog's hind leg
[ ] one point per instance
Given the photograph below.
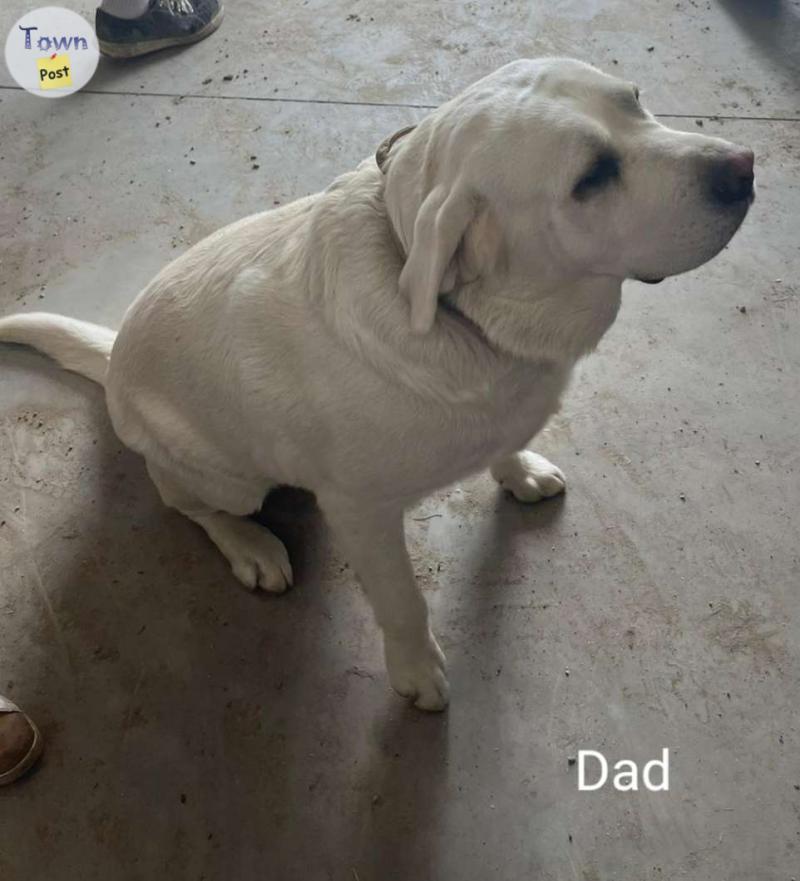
(257, 557)
(529, 476)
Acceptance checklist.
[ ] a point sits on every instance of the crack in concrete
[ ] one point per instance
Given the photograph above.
(398, 104)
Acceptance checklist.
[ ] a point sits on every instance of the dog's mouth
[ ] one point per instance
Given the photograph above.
(649, 280)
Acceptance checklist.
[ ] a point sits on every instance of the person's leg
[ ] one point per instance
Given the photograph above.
(129, 28)
(20, 742)
(125, 8)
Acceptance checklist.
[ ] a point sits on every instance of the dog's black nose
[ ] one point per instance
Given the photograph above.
(732, 178)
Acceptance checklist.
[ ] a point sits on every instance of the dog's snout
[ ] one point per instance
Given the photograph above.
(732, 178)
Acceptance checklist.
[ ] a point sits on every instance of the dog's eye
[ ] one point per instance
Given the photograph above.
(636, 92)
(604, 171)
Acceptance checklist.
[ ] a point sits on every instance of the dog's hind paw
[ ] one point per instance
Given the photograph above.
(529, 476)
(257, 557)
(263, 564)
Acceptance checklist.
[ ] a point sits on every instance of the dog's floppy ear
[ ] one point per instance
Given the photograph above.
(440, 224)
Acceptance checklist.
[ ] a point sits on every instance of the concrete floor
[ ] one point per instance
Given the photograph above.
(197, 732)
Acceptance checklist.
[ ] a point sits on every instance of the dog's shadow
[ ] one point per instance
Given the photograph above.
(150, 672)
(398, 787)
(247, 725)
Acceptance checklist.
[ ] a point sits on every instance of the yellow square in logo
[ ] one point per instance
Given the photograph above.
(55, 72)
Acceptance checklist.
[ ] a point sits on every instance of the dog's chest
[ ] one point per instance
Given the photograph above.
(447, 443)
(515, 411)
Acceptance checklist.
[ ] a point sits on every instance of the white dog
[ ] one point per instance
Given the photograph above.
(412, 324)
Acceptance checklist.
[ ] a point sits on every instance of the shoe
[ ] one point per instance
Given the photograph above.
(20, 742)
(166, 23)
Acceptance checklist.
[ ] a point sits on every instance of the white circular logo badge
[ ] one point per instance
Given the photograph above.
(52, 52)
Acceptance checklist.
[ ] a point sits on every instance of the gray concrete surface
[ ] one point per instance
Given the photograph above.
(197, 732)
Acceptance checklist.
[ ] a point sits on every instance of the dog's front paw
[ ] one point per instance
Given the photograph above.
(529, 476)
(417, 670)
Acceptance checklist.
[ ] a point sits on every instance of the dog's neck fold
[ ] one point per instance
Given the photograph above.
(558, 323)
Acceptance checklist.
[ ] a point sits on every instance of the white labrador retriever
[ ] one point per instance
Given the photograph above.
(412, 324)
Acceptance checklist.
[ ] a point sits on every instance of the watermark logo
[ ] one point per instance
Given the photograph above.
(52, 52)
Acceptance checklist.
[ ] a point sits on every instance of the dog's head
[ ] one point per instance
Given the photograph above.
(553, 170)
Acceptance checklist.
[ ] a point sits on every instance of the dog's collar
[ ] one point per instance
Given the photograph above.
(381, 156)
(382, 153)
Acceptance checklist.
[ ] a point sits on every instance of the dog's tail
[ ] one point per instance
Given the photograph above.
(76, 345)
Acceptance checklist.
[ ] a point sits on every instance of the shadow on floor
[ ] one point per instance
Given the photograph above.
(110, 70)
(774, 27)
(194, 729)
